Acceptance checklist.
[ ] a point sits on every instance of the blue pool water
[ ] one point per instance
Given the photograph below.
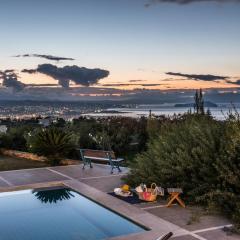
(58, 214)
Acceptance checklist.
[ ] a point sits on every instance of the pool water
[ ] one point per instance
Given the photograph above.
(58, 214)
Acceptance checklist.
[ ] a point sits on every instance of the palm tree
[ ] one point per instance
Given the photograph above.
(53, 143)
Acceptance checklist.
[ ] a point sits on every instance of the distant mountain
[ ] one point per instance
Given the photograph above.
(191, 105)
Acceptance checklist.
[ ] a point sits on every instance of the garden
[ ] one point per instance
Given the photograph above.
(192, 151)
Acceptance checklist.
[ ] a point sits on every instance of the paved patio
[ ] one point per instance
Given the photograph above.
(188, 224)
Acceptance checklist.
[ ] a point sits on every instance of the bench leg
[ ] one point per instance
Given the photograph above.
(89, 162)
(171, 199)
(84, 164)
(181, 202)
(175, 196)
(119, 169)
(116, 166)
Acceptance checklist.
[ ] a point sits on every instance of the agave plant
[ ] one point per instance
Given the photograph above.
(53, 143)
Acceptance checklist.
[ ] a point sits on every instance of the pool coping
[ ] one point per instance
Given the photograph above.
(157, 226)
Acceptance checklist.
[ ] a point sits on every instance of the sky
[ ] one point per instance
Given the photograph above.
(119, 44)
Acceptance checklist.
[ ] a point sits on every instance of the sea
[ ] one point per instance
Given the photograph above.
(221, 112)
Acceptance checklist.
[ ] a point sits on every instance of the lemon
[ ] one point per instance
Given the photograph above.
(125, 188)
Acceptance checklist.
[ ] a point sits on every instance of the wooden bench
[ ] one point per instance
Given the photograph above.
(98, 155)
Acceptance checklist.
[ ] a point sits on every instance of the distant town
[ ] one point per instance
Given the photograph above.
(66, 110)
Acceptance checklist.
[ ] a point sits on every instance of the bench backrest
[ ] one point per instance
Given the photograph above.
(98, 153)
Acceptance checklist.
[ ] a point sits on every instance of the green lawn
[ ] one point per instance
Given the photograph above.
(11, 163)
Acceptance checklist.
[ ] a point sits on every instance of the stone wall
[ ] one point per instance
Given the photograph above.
(33, 157)
(25, 155)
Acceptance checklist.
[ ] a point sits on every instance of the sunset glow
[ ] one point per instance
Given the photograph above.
(125, 45)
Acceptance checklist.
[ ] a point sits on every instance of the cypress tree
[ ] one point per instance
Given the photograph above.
(199, 102)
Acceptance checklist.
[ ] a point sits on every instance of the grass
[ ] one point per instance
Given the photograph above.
(10, 163)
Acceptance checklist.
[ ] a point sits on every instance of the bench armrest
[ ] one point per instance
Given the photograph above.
(118, 160)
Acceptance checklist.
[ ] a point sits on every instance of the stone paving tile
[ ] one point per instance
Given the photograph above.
(24, 177)
(218, 235)
(78, 173)
(158, 203)
(208, 221)
(106, 184)
(182, 217)
(187, 237)
(3, 184)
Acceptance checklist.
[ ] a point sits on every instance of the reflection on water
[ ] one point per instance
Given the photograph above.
(53, 195)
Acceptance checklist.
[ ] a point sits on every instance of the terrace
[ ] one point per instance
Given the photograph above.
(95, 183)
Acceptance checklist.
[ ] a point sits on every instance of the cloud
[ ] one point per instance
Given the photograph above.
(132, 81)
(151, 84)
(48, 57)
(119, 84)
(184, 2)
(10, 79)
(198, 77)
(234, 82)
(43, 85)
(131, 84)
(78, 75)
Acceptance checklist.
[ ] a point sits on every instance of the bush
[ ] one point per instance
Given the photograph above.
(198, 154)
(14, 138)
(227, 195)
(125, 136)
(183, 155)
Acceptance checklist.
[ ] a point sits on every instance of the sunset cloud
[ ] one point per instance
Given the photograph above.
(10, 79)
(48, 57)
(132, 81)
(131, 84)
(183, 2)
(234, 82)
(78, 75)
(198, 77)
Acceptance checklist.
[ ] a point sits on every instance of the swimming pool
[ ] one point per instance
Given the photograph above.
(58, 214)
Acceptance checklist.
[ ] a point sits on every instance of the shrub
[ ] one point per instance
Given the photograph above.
(183, 155)
(227, 195)
(14, 138)
(198, 154)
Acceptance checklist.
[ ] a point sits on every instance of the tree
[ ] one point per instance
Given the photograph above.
(14, 138)
(52, 142)
(199, 102)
